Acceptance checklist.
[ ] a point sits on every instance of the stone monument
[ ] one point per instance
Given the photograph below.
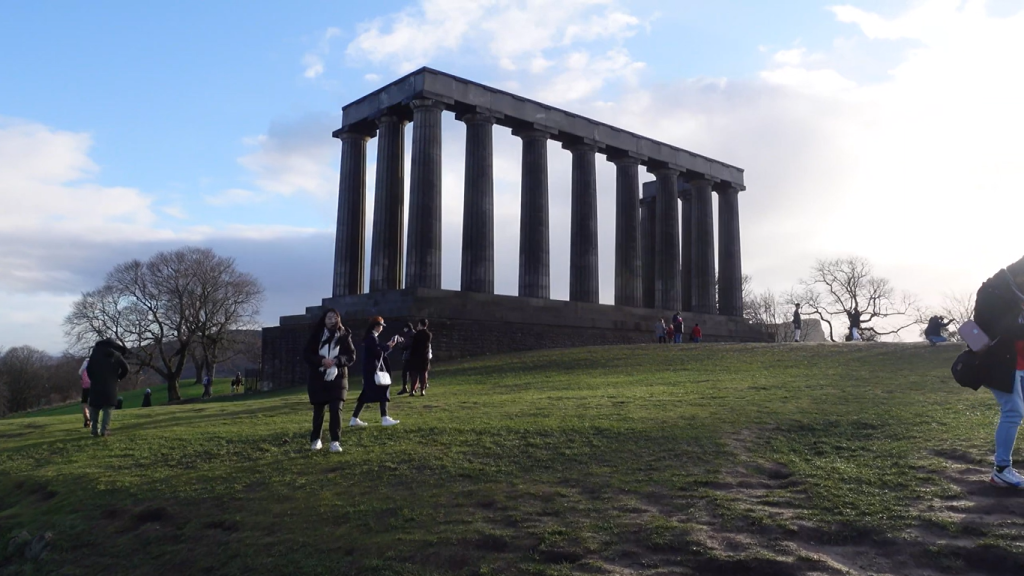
(660, 265)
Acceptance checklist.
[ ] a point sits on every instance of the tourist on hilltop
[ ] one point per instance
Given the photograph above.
(375, 359)
(670, 333)
(796, 323)
(105, 369)
(999, 312)
(659, 330)
(419, 357)
(85, 392)
(147, 399)
(933, 332)
(696, 334)
(328, 353)
(677, 327)
(236, 383)
(854, 318)
(407, 332)
(207, 387)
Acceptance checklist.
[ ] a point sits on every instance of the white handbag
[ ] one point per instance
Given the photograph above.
(381, 376)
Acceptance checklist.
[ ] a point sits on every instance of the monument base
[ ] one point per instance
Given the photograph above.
(468, 324)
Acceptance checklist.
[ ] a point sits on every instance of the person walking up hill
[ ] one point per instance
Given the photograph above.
(105, 369)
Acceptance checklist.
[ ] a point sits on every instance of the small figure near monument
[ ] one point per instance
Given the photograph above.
(419, 357)
(407, 332)
(933, 332)
(660, 330)
(696, 335)
(328, 353)
(147, 399)
(236, 383)
(375, 359)
(854, 318)
(207, 387)
(796, 323)
(677, 328)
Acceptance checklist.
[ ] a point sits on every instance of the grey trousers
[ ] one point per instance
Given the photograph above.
(93, 415)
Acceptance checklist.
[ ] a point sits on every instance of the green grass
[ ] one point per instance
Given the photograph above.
(557, 462)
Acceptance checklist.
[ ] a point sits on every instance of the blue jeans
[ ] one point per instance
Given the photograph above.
(1011, 412)
(679, 338)
(937, 339)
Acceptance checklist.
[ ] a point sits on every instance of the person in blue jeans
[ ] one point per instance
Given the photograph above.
(999, 312)
(933, 333)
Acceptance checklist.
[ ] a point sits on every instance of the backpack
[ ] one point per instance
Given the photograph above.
(967, 370)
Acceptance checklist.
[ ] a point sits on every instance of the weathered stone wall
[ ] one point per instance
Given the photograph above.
(465, 324)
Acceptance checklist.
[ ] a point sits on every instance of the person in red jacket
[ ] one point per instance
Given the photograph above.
(695, 334)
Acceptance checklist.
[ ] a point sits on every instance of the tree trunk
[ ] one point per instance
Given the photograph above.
(173, 394)
(198, 365)
(211, 369)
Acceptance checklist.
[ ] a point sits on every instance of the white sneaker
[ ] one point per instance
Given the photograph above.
(1008, 478)
(388, 421)
(357, 423)
(335, 447)
(317, 444)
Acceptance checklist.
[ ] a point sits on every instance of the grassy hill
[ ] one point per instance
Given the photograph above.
(709, 459)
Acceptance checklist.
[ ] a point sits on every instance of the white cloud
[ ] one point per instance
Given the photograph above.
(372, 77)
(543, 37)
(232, 197)
(296, 156)
(313, 61)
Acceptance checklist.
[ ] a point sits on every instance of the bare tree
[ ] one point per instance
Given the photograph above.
(161, 308)
(847, 288)
(764, 309)
(231, 305)
(23, 370)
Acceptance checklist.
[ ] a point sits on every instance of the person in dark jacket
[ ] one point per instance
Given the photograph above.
(854, 319)
(796, 323)
(207, 387)
(407, 332)
(999, 312)
(147, 399)
(677, 328)
(375, 358)
(933, 332)
(106, 368)
(328, 353)
(419, 357)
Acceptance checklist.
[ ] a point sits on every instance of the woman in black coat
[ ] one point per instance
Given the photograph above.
(999, 312)
(375, 358)
(105, 369)
(328, 353)
(419, 357)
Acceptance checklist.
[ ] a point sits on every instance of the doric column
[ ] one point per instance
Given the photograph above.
(584, 285)
(686, 251)
(648, 241)
(478, 208)
(388, 206)
(730, 268)
(666, 254)
(423, 261)
(627, 232)
(703, 248)
(534, 234)
(349, 240)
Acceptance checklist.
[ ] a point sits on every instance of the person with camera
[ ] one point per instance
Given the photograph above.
(999, 312)
(933, 332)
(375, 359)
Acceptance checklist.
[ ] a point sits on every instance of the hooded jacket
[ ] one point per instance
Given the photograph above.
(106, 368)
(998, 312)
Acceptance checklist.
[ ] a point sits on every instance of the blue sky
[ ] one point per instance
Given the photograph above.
(128, 127)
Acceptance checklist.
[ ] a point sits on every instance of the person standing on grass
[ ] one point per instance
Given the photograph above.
(407, 333)
(419, 357)
(933, 332)
(207, 387)
(105, 369)
(236, 383)
(677, 328)
(796, 323)
(328, 353)
(696, 334)
(999, 312)
(85, 392)
(375, 359)
(147, 399)
(659, 330)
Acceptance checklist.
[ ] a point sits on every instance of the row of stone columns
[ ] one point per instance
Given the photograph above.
(653, 256)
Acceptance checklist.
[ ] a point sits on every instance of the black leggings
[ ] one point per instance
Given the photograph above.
(359, 408)
(318, 421)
